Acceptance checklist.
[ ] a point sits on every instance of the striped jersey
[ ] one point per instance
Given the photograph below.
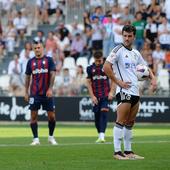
(40, 69)
(100, 82)
(124, 63)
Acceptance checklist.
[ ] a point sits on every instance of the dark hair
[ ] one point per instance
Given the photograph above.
(98, 54)
(37, 41)
(129, 28)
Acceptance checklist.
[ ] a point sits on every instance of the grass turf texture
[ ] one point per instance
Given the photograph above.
(77, 149)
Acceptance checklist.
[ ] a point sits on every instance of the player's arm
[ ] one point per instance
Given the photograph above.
(153, 79)
(27, 84)
(89, 86)
(109, 72)
(112, 90)
(52, 79)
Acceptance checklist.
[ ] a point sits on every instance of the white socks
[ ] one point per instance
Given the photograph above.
(127, 134)
(118, 134)
(101, 135)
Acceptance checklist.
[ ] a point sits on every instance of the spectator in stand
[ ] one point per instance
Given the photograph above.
(75, 29)
(115, 13)
(64, 36)
(14, 70)
(2, 48)
(77, 46)
(40, 36)
(140, 26)
(18, 5)
(10, 36)
(51, 9)
(98, 12)
(108, 41)
(151, 32)
(144, 10)
(40, 11)
(164, 33)
(88, 40)
(146, 50)
(21, 23)
(6, 7)
(58, 61)
(166, 9)
(79, 81)
(117, 31)
(123, 3)
(50, 45)
(86, 19)
(65, 87)
(26, 51)
(59, 15)
(157, 13)
(126, 15)
(159, 58)
(97, 34)
(167, 63)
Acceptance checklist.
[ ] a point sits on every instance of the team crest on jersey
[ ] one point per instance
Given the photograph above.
(113, 55)
(34, 64)
(43, 62)
(93, 70)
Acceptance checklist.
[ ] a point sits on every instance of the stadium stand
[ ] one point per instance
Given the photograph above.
(67, 19)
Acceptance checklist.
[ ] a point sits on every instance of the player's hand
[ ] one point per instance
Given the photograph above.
(94, 100)
(49, 93)
(110, 96)
(124, 85)
(26, 97)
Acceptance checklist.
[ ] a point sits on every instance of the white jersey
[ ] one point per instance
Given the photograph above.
(124, 63)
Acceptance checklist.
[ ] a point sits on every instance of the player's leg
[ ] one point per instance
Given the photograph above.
(122, 111)
(103, 118)
(34, 107)
(34, 127)
(48, 104)
(96, 110)
(128, 132)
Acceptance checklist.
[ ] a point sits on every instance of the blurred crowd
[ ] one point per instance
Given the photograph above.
(72, 45)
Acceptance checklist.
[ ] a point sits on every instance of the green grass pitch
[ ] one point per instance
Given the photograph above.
(77, 149)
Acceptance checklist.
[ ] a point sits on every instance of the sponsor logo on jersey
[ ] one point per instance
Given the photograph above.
(99, 77)
(130, 65)
(39, 71)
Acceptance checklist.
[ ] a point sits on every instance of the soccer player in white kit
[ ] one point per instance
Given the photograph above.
(120, 67)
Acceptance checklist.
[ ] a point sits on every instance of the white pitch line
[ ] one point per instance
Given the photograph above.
(76, 144)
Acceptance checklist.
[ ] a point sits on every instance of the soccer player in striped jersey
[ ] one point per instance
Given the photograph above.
(120, 67)
(100, 92)
(40, 75)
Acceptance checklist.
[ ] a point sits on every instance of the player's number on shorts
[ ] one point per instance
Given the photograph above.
(125, 96)
(31, 100)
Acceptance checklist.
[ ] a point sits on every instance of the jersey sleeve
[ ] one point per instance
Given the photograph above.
(51, 64)
(89, 74)
(28, 70)
(112, 58)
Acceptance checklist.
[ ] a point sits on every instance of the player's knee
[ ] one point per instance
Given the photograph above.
(51, 116)
(121, 122)
(129, 124)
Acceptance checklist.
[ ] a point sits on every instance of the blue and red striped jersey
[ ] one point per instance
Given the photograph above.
(100, 81)
(40, 69)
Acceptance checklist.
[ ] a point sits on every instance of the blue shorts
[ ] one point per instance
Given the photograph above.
(47, 103)
(102, 104)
